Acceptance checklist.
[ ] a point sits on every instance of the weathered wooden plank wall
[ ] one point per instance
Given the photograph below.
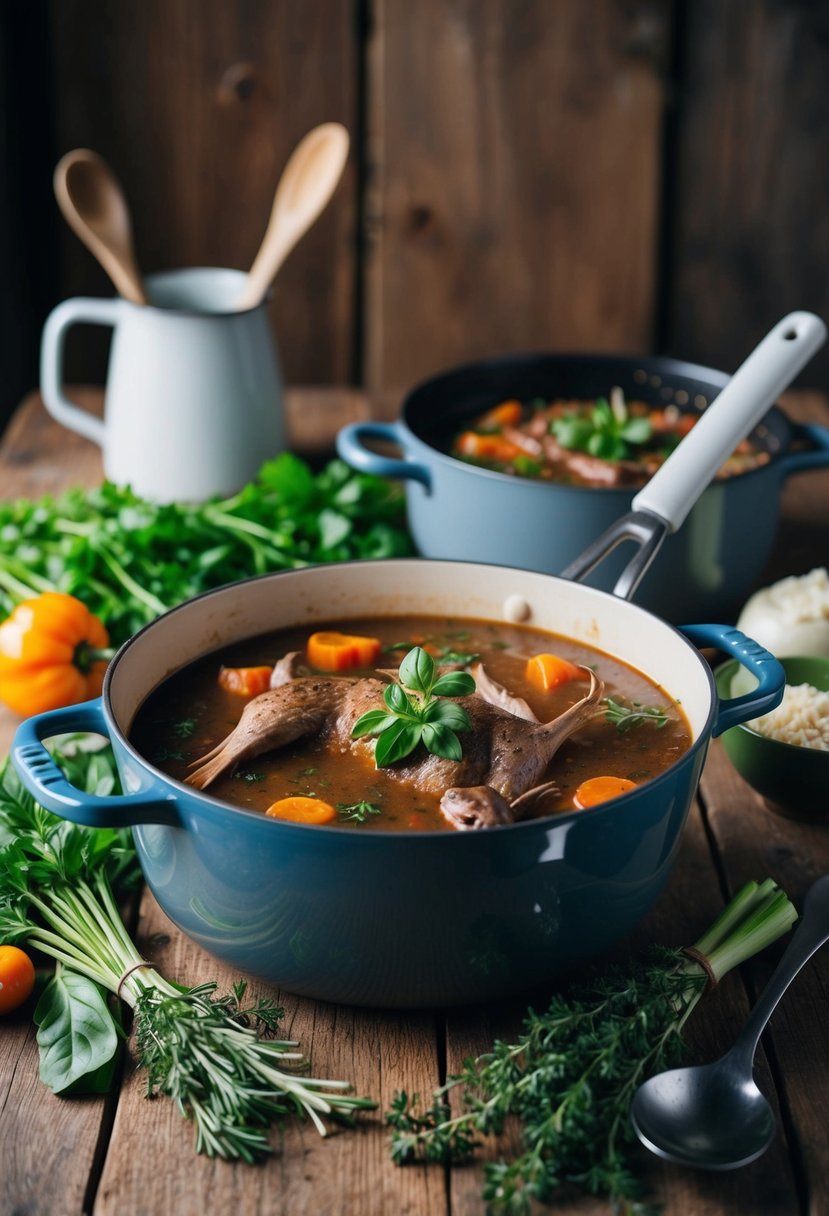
(628, 174)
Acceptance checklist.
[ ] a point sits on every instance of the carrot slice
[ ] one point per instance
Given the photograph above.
(547, 671)
(301, 809)
(486, 447)
(508, 413)
(245, 681)
(600, 789)
(332, 651)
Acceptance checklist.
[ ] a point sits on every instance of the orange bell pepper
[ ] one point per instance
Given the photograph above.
(53, 652)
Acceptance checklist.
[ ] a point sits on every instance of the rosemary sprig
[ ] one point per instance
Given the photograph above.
(570, 1076)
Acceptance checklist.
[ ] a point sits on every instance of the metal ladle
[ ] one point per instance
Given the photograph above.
(713, 1116)
(94, 206)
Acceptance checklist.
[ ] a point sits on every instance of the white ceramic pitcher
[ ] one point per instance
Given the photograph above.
(193, 399)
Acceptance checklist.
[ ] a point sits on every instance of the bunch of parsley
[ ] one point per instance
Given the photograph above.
(129, 559)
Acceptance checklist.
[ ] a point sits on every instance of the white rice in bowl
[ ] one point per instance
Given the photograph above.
(801, 718)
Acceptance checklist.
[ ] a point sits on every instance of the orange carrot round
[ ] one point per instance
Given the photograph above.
(487, 447)
(333, 651)
(601, 789)
(547, 671)
(245, 681)
(301, 809)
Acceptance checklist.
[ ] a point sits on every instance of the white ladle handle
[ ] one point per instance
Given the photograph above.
(750, 392)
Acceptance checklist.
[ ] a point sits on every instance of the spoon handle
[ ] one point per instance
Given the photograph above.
(810, 934)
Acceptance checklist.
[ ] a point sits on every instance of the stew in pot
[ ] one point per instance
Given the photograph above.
(592, 443)
(411, 723)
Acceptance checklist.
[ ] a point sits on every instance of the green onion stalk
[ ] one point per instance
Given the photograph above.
(569, 1078)
(215, 1056)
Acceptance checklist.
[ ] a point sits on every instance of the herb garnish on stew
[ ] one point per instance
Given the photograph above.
(414, 713)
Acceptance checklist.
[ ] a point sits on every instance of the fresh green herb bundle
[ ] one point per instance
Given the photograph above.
(130, 560)
(213, 1055)
(416, 712)
(606, 430)
(569, 1078)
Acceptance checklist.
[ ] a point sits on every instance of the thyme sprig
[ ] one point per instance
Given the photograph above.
(624, 717)
(571, 1074)
(414, 713)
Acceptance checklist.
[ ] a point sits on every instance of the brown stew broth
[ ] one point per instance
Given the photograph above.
(189, 714)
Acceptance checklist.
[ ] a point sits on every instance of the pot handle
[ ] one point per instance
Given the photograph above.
(771, 678)
(45, 781)
(817, 458)
(351, 449)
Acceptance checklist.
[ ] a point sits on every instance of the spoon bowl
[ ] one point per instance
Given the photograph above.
(94, 206)
(710, 1116)
(713, 1116)
(307, 183)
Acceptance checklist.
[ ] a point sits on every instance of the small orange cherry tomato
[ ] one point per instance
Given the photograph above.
(245, 681)
(17, 977)
(53, 652)
(547, 671)
(333, 651)
(301, 809)
(601, 789)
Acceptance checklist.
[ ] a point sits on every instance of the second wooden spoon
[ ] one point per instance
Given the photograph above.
(307, 183)
(93, 204)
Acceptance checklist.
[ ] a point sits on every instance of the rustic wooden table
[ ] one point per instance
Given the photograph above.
(124, 1154)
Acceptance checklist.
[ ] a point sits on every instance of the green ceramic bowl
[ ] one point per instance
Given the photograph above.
(793, 780)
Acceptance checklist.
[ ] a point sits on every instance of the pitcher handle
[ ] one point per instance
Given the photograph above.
(52, 346)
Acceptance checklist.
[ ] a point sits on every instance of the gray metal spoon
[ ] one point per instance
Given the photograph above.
(713, 1116)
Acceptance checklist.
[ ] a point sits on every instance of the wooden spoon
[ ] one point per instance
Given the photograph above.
(307, 183)
(93, 204)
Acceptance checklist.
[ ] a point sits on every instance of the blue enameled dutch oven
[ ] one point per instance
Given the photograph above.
(459, 510)
(421, 919)
(398, 918)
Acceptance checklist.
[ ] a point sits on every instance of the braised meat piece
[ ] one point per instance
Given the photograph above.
(504, 755)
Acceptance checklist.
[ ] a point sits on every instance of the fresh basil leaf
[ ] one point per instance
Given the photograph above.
(441, 741)
(396, 742)
(454, 684)
(371, 722)
(447, 713)
(636, 430)
(76, 1035)
(417, 671)
(572, 431)
(397, 701)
